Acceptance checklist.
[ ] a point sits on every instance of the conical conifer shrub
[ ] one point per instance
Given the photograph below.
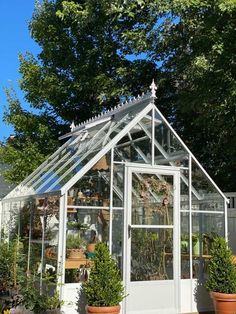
(104, 286)
(222, 271)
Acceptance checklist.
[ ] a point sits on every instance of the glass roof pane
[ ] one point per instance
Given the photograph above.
(205, 195)
(75, 159)
(136, 145)
(168, 148)
(100, 139)
(50, 161)
(55, 165)
(85, 142)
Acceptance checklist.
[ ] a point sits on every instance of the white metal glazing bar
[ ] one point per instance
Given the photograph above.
(190, 153)
(68, 162)
(111, 201)
(81, 159)
(165, 155)
(153, 137)
(75, 144)
(105, 149)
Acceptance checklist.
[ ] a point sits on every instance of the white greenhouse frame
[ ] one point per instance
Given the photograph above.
(160, 154)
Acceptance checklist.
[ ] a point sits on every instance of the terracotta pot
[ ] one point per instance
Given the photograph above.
(103, 309)
(91, 247)
(224, 303)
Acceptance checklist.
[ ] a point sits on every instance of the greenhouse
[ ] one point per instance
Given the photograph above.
(126, 178)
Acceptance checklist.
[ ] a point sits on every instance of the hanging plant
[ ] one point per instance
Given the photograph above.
(160, 187)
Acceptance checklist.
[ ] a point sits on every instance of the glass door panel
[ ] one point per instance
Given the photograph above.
(151, 254)
(152, 199)
(152, 243)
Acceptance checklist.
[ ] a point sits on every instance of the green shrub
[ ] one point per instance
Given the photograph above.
(222, 271)
(104, 286)
(11, 264)
(38, 302)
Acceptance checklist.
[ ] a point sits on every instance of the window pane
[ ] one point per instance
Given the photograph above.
(152, 199)
(185, 255)
(151, 254)
(205, 227)
(85, 227)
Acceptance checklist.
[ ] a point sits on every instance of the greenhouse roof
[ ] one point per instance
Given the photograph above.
(89, 141)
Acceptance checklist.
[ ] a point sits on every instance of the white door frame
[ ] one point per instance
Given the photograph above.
(162, 170)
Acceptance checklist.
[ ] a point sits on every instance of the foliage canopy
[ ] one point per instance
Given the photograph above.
(93, 52)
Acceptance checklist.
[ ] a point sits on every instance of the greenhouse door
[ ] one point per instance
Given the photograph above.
(151, 269)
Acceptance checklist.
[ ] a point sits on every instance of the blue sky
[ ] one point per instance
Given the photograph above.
(15, 39)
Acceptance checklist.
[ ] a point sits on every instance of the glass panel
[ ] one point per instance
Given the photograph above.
(118, 186)
(168, 147)
(55, 163)
(159, 158)
(121, 121)
(152, 199)
(126, 151)
(14, 220)
(74, 154)
(184, 190)
(117, 127)
(50, 161)
(84, 228)
(205, 195)
(136, 145)
(151, 254)
(117, 236)
(37, 225)
(50, 225)
(10, 220)
(94, 187)
(66, 173)
(207, 202)
(205, 227)
(39, 229)
(185, 253)
(68, 157)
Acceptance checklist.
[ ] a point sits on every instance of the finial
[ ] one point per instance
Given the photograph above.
(153, 88)
(72, 126)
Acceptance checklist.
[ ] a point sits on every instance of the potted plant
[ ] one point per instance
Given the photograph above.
(184, 243)
(75, 246)
(103, 289)
(46, 301)
(222, 277)
(196, 244)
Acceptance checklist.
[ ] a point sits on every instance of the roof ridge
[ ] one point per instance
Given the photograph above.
(107, 113)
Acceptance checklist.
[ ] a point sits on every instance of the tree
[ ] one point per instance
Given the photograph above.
(79, 72)
(92, 52)
(196, 45)
(35, 138)
(193, 43)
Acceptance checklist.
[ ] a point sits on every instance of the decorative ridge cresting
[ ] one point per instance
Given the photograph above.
(117, 108)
